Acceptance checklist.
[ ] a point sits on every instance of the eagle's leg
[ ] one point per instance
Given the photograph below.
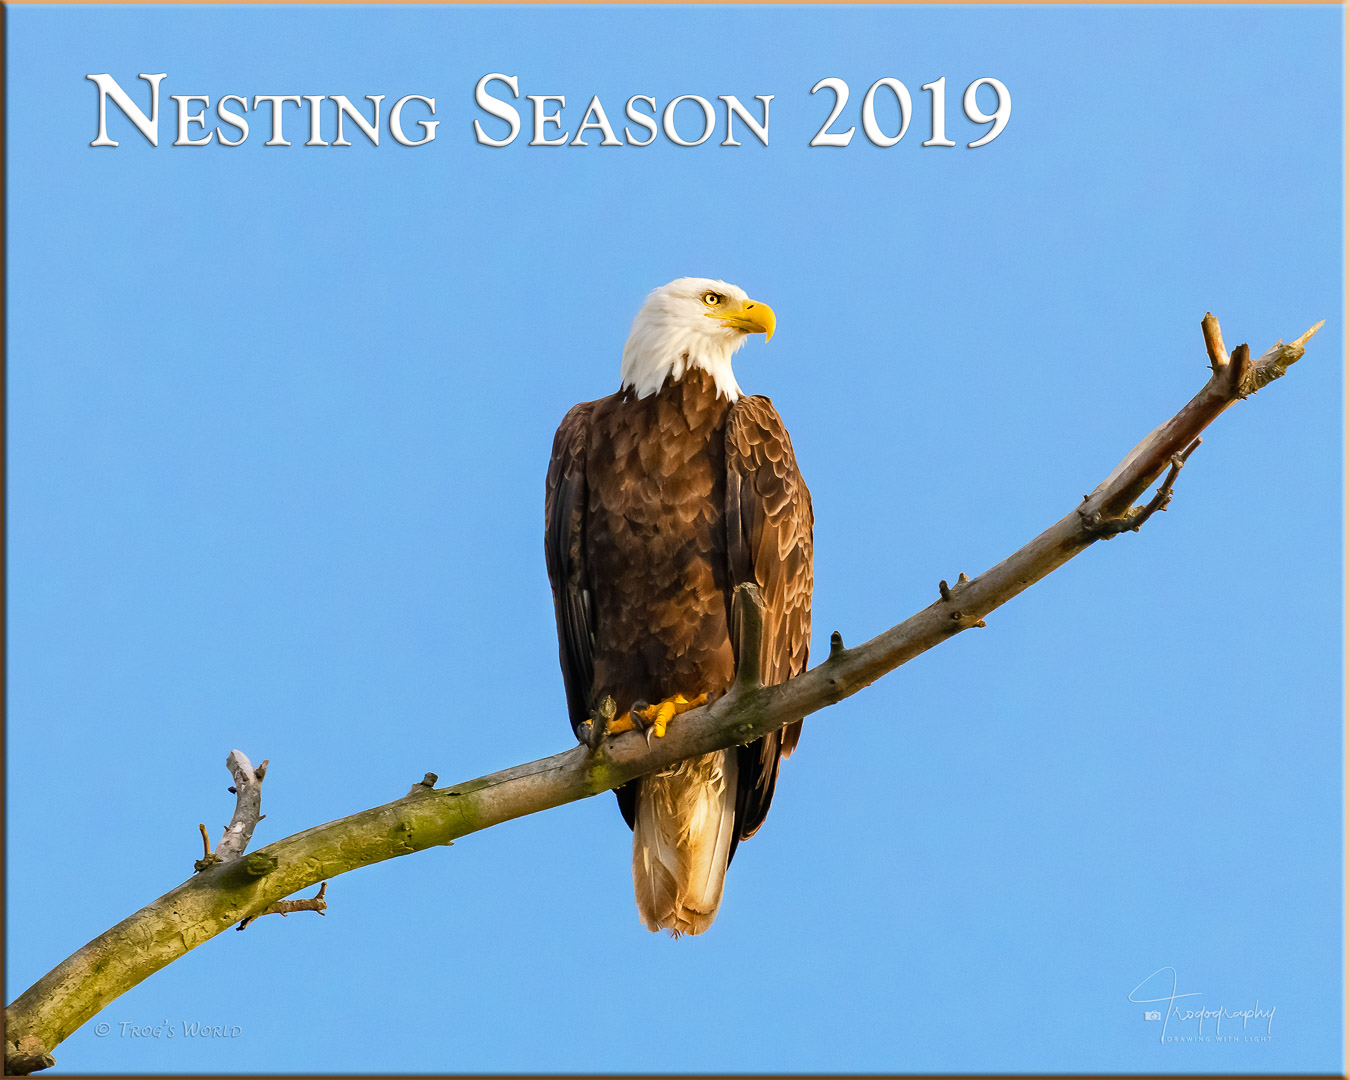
(653, 719)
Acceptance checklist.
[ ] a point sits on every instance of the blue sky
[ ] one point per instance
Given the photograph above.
(277, 428)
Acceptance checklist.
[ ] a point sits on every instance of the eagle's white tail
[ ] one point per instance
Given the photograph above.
(682, 833)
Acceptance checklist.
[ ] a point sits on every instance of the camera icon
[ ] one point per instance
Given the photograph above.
(1152, 1014)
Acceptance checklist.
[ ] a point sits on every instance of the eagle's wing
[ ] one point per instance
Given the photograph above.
(565, 553)
(769, 524)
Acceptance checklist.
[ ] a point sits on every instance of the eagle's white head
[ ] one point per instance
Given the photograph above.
(692, 322)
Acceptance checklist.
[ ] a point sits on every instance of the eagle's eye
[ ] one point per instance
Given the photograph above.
(712, 299)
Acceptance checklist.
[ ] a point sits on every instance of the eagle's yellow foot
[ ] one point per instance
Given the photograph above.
(654, 718)
(620, 724)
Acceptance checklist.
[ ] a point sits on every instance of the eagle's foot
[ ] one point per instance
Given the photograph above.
(653, 719)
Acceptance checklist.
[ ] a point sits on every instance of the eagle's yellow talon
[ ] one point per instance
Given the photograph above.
(656, 717)
(665, 713)
(620, 724)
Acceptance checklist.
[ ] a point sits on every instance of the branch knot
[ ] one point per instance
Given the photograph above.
(948, 592)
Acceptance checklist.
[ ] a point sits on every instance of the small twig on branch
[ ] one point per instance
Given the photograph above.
(945, 590)
(1135, 516)
(208, 859)
(427, 783)
(1163, 496)
(1218, 355)
(285, 907)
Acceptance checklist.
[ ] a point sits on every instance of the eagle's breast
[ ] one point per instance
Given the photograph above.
(656, 543)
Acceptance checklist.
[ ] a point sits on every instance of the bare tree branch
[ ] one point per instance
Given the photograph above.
(243, 888)
(247, 790)
(248, 805)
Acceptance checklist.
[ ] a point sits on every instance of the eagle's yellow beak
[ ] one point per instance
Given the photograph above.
(751, 316)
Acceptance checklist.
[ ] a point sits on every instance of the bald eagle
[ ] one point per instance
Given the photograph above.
(660, 500)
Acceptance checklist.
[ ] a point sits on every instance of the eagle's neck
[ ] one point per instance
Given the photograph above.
(660, 351)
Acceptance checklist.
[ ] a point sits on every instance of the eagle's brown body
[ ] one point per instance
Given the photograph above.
(656, 509)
